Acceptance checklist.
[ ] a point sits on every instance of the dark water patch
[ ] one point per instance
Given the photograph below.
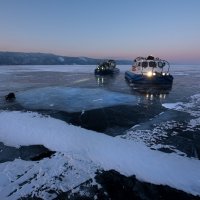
(35, 152)
(32, 152)
(112, 185)
(189, 143)
(10, 105)
(168, 132)
(8, 153)
(177, 135)
(30, 198)
(113, 120)
(110, 120)
(46, 154)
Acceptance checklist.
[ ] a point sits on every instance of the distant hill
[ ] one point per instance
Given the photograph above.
(19, 58)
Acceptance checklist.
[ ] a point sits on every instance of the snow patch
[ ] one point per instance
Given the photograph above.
(83, 58)
(175, 106)
(61, 59)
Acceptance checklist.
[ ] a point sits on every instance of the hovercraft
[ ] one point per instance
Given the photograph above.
(150, 70)
(106, 68)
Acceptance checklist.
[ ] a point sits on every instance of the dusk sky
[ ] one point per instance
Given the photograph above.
(116, 29)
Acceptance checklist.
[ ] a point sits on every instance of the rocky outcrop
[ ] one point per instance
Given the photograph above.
(10, 97)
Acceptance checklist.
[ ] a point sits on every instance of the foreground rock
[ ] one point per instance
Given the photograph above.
(10, 97)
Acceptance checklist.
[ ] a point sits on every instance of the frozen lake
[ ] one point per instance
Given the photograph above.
(166, 121)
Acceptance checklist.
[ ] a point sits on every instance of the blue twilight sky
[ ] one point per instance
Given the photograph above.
(169, 29)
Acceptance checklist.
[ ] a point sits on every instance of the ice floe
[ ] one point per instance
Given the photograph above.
(72, 99)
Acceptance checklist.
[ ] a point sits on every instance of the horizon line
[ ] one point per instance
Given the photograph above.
(178, 62)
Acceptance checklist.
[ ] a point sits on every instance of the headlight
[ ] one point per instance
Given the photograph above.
(154, 73)
(149, 74)
(163, 74)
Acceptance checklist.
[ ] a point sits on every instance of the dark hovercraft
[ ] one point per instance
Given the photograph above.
(106, 68)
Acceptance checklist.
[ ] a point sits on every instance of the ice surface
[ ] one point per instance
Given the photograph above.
(72, 99)
(127, 157)
(192, 107)
(53, 68)
(175, 106)
(60, 173)
(47, 68)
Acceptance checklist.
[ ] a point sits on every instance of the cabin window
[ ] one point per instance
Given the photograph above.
(152, 64)
(144, 64)
(160, 64)
(163, 64)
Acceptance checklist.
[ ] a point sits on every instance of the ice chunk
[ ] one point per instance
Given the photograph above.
(175, 106)
(72, 99)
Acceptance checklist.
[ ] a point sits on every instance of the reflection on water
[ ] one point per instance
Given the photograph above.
(100, 80)
(152, 92)
(152, 96)
(105, 80)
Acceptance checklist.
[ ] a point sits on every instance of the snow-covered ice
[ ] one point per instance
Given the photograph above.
(62, 172)
(192, 107)
(125, 156)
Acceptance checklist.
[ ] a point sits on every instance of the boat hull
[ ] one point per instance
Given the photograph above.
(142, 79)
